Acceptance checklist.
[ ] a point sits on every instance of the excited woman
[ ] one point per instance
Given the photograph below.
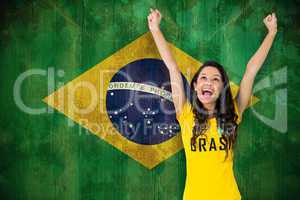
(209, 121)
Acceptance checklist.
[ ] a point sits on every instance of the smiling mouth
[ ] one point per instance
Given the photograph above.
(207, 93)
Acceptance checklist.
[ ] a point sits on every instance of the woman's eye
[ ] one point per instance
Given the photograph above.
(203, 77)
(216, 79)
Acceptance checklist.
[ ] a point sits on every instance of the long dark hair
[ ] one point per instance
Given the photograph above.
(224, 109)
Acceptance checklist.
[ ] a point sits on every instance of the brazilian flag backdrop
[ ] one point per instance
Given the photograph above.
(51, 50)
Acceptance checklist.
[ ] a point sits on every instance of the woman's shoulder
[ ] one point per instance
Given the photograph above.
(235, 104)
(186, 112)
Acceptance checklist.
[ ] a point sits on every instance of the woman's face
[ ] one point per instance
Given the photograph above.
(209, 85)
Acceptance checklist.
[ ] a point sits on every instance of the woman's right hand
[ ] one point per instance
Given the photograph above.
(271, 23)
(154, 19)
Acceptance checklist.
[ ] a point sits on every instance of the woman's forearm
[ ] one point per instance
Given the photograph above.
(260, 55)
(164, 50)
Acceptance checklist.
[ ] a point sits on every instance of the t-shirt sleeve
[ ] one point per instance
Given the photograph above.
(239, 119)
(185, 113)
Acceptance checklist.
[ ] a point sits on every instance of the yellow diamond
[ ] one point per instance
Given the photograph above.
(84, 99)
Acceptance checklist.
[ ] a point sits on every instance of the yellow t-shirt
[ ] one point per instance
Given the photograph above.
(209, 177)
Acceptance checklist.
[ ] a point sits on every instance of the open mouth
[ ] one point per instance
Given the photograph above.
(207, 92)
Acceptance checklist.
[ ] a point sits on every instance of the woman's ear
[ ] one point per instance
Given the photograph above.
(195, 86)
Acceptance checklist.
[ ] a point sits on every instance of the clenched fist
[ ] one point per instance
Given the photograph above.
(154, 19)
(271, 23)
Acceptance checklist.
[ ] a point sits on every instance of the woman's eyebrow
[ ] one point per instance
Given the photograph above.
(212, 75)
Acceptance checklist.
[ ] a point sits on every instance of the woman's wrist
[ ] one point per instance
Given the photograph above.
(272, 32)
(155, 30)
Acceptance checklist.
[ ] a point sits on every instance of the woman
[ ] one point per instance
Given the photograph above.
(209, 122)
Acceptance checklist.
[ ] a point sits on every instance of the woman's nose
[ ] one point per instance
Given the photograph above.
(208, 81)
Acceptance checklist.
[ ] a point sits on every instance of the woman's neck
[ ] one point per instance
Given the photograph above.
(211, 109)
(210, 106)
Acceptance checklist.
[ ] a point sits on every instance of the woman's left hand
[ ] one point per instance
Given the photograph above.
(271, 23)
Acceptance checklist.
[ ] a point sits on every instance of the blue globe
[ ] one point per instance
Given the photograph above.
(139, 104)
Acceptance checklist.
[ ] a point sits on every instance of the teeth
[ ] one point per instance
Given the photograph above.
(203, 92)
(206, 90)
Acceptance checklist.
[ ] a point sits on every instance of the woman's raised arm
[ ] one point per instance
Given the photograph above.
(255, 63)
(178, 94)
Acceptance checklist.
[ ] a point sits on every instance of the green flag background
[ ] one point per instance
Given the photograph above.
(43, 157)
